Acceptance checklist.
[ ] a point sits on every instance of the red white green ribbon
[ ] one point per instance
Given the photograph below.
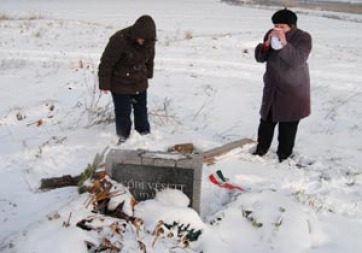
(219, 180)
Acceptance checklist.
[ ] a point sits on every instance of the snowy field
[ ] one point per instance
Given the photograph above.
(207, 90)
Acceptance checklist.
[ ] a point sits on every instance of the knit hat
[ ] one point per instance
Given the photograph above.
(144, 28)
(285, 16)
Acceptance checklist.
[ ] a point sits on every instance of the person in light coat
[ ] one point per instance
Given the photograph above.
(286, 94)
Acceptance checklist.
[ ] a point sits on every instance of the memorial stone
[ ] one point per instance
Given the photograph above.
(146, 172)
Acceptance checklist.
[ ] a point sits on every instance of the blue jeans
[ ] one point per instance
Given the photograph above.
(123, 105)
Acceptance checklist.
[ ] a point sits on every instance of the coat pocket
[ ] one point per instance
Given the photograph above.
(131, 74)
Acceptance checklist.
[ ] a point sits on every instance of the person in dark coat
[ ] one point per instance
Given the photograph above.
(286, 93)
(124, 69)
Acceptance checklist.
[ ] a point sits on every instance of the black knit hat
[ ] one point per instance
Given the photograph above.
(285, 16)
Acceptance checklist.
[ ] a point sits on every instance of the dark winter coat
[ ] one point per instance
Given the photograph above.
(286, 80)
(126, 66)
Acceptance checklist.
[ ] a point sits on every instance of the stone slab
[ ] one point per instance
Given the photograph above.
(145, 173)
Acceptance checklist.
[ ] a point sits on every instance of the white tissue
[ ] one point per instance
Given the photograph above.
(275, 43)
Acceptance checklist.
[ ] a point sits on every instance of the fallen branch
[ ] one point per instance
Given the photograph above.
(211, 155)
(63, 181)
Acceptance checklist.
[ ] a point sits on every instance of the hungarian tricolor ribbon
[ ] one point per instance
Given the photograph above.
(219, 180)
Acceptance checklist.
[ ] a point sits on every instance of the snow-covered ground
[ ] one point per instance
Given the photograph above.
(206, 90)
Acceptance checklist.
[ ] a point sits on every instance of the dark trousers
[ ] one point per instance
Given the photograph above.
(123, 105)
(286, 137)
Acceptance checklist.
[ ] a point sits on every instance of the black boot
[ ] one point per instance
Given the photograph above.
(259, 152)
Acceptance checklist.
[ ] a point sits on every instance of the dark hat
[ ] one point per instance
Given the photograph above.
(285, 16)
(144, 28)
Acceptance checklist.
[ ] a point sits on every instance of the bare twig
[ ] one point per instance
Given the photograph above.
(67, 223)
